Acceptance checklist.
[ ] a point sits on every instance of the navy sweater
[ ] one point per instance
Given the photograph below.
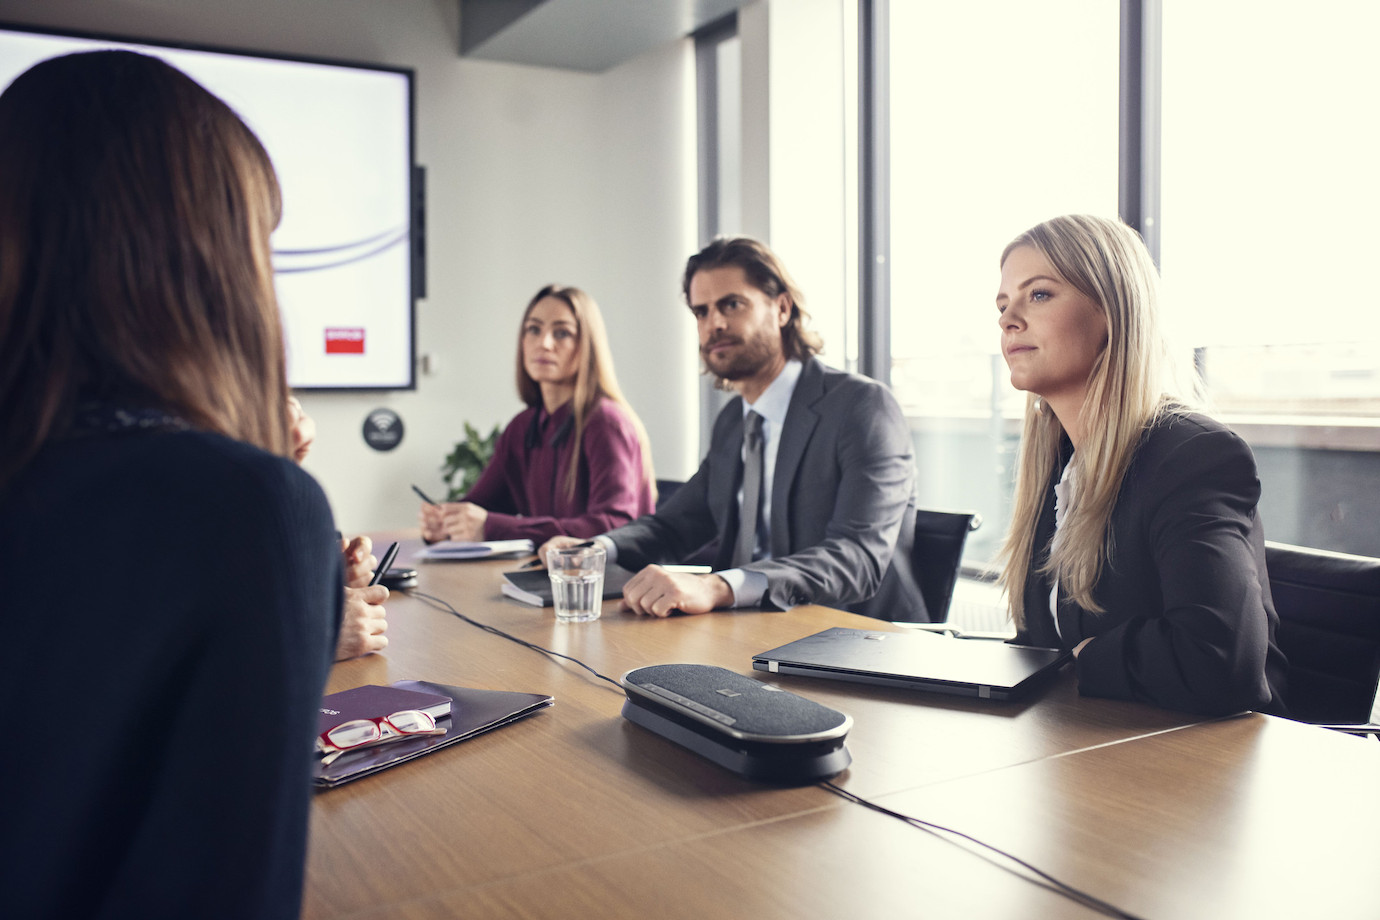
(169, 602)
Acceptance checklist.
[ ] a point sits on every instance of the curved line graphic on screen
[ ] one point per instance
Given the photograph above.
(294, 261)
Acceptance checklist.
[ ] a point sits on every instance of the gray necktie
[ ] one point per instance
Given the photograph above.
(746, 544)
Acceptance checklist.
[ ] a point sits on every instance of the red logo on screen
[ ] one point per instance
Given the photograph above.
(344, 341)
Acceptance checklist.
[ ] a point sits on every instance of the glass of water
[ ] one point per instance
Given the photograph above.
(577, 582)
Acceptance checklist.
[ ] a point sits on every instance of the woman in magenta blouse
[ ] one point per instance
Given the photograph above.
(576, 461)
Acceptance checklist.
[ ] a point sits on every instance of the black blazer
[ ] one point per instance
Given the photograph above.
(842, 504)
(1189, 622)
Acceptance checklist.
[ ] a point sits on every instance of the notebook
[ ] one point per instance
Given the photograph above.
(533, 586)
(449, 550)
(916, 660)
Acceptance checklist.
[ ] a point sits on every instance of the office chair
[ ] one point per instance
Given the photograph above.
(665, 488)
(939, 540)
(1329, 629)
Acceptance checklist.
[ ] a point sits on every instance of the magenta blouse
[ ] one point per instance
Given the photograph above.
(523, 487)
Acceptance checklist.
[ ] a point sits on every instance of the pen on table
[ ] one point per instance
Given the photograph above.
(424, 497)
(388, 558)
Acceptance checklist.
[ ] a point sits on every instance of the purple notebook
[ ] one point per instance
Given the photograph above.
(372, 701)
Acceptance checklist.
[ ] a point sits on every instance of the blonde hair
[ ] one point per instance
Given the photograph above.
(1134, 382)
(135, 213)
(594, 377)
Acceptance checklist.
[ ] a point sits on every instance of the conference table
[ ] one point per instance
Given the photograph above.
(575, 812)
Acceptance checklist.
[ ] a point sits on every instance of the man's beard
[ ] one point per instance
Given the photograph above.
(752, 356)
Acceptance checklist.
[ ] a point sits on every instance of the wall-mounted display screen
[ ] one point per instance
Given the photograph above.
(340, 136)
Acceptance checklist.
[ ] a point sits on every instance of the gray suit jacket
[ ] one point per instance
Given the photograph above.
(842, 505)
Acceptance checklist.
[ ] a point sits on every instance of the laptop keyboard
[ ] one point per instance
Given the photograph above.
(978, 606)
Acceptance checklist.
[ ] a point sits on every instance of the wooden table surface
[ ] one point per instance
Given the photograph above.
(575, 812)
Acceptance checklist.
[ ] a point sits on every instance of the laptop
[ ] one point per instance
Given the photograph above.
(916, 660)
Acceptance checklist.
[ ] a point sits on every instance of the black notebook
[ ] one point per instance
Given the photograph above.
(473, 712)
(533, 586)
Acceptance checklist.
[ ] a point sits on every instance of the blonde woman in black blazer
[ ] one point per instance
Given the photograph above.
(1135, 539)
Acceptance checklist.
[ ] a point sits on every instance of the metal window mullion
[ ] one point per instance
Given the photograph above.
(707, 132)
(1138, 170)
(874, 198)
(707, 42)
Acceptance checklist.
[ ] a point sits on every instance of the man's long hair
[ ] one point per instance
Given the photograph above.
(765, 272)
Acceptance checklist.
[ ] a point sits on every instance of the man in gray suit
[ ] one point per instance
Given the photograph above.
(817, 462)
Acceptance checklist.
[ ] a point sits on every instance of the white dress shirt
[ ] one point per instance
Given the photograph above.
(1063, 500)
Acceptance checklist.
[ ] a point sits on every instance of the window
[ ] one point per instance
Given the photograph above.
(1268, 235)
(1269, 238)
(1268, 206)
(1002, 113)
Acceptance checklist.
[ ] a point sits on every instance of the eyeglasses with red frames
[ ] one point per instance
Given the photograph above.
(362, 733)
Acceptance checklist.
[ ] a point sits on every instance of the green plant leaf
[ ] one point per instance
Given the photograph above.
(462, 466)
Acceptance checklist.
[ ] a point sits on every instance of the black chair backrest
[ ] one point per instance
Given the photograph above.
(939, 539)
(1329, 629)
(665, 488)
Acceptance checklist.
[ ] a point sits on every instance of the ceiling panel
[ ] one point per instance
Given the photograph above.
(589, 35)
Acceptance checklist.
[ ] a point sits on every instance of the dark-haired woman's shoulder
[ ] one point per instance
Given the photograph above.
(179, 476)
(195, 508)
(273, 510)
(257, 491)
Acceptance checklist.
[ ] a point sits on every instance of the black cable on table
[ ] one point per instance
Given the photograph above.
(1044, 880)
(437, 603)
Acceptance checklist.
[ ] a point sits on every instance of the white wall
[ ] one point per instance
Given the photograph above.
(533, 175)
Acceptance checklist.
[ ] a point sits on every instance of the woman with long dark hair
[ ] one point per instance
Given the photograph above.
(169, 668)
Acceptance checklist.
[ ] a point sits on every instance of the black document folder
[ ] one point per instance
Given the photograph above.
(473, 712)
